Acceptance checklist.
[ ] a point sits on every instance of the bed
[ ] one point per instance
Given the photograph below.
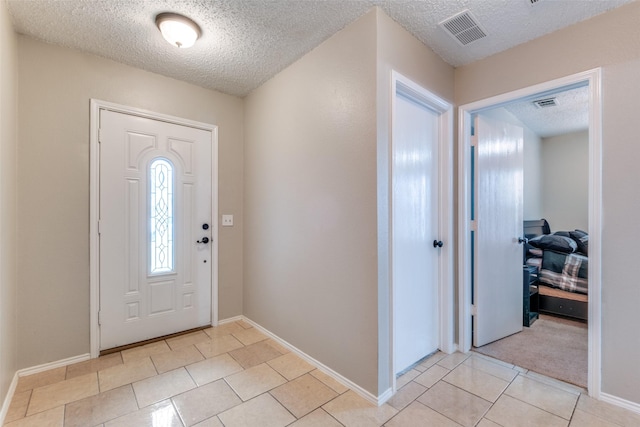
(561, 263)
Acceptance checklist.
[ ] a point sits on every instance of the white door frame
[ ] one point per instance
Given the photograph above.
(401, 84)
(593, 79)
(94, 207)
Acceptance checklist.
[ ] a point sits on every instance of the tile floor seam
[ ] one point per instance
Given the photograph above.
(284, 406)
(537, 407)
(200, 351)
(191, 376)
(331, 415)
(495, 376)
(175, 409)
(135, 395)
(573, 412)
(26, 409)
(154, 363)
(444, 415)
(599, 417)
(106, 420)
(232, 389)
(575, 405)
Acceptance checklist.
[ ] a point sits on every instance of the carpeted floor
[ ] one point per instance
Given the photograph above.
(552, 346)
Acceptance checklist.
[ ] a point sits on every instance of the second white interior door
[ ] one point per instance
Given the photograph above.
(415, 201)
(498, 254)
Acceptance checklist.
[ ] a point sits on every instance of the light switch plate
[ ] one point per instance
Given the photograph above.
(227, 220)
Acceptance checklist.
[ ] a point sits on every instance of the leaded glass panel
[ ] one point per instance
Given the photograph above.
(161, 216)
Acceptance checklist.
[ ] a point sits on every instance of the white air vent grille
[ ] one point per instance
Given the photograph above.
(546, 102)
(464, 28)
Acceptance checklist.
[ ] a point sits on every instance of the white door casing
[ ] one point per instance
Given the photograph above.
(437, 194)
(138, 298)
(499, 209)
(593, 79)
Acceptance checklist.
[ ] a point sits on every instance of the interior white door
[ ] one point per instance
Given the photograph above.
(155, 206)
(498, 257)
(415, 227)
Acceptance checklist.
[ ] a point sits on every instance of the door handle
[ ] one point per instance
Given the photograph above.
(204, 240)
(522, 240)
(437, 243)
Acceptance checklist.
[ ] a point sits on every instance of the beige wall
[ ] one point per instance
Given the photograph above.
(56, 85)
(400, 51)
(8, 182)
(565, 181)
(316, 195)
(310, 204)
(610, 41)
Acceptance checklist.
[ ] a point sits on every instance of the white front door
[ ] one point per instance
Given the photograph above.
(154, 219)
(415, 227)
(498, 256)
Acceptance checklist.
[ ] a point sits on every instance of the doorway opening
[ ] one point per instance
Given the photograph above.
(473, 307)
(153, 196)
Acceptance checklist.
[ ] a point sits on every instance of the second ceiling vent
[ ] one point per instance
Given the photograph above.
(546, 102)
(464, 27)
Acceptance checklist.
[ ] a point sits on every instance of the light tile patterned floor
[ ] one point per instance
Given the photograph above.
(233, 375)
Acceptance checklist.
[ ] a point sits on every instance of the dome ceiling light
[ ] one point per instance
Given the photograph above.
(178, 30)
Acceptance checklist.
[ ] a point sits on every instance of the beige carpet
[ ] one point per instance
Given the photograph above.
(552, 346)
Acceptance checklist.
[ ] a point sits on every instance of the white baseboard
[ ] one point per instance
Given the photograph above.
(382, 399)
(230, 320)
(618, 401)
(53, 365)
(376, 400)
(8, 398)
(34, 370)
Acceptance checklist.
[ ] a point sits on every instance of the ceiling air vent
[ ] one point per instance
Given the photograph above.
(546, 102)
(463, 27)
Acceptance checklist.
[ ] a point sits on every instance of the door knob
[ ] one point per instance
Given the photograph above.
(437, 243)
(522, 240)
(204, 240)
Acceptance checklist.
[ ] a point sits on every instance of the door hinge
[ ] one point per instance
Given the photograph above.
(474, 310)
(474, 225)
(99, 227)
(100, 317)
(100, 135)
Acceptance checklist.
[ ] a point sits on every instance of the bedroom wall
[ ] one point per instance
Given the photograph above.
(608, 41)
(56, 85)
(8, 184)
(533, 175)
(565, 160)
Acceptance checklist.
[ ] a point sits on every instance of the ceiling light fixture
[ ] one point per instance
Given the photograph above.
(178, 30)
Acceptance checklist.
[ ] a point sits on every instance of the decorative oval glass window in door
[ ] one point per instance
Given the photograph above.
(161, 216)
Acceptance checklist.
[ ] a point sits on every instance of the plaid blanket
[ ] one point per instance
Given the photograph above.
(568, 272)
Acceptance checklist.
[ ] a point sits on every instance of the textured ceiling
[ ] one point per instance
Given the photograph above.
(570, 115)
(246, 42)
